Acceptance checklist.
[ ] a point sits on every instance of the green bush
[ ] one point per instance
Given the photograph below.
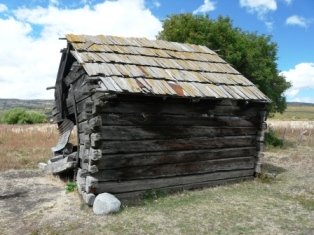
(22, 116)
(271, 139)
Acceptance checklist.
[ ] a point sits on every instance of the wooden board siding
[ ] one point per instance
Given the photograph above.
(129, 145)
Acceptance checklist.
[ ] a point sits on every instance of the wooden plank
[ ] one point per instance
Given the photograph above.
(168, 119)
(167, 170)
(168, 108)
(135, 195)
(109, 147)
(167, 132)
(146, 184)
(157, 158)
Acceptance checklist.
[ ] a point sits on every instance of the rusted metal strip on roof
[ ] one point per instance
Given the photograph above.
(147, 87)
(193, 92)
(178, 90)
(168, 87)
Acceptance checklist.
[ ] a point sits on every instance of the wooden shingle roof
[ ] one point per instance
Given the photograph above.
(142, 66)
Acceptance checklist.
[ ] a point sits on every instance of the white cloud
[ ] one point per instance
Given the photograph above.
(298, 21)
(207, 6)
(261, 8)
(29, 64)
(156, 3)
(288, 2)
(301, 77)
(3, 8)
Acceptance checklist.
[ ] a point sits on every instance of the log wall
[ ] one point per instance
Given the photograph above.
(131, 144)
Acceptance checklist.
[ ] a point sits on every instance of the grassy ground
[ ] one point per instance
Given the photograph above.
(280, 202)
(296, 113)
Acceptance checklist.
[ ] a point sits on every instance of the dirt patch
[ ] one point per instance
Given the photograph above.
(23, 193)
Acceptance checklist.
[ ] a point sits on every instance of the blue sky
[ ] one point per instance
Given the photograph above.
(29, 32)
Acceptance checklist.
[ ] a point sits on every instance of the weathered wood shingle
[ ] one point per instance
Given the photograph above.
(160, 68)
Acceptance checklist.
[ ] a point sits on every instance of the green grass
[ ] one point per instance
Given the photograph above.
(305, 113)
(70, 187)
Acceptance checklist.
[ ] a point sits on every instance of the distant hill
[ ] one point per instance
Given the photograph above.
(299, 104)
(44, 106)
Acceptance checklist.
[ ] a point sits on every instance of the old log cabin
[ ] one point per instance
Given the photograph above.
(153, 115)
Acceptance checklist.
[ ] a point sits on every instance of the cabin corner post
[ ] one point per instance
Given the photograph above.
(260, 141)
(89, 127)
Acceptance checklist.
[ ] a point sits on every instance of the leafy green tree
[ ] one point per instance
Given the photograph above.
(251, 54)
(21, 116)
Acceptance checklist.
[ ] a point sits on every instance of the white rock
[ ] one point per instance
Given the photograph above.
(106, 203)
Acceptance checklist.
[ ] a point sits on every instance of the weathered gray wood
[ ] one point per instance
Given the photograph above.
(167, 132)
(196, 143)
(129, 196)
(185, 168)
(85, 139)
(157, 158)
(174, 183)
(166, 108)
(83, 116)
(143, 119)
(62, 165)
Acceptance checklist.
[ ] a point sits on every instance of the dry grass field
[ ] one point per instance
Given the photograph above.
(24, 146)
(281, 201)
(294, 113)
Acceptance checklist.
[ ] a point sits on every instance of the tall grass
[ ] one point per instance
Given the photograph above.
(24, 146)
(297, 132)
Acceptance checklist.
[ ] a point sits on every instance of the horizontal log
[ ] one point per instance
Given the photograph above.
(197, 143)
(166, 132)
(166, 108)
(146, 184)
(167, 170)
(135, 195)
(113, 161)
(143, 119)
